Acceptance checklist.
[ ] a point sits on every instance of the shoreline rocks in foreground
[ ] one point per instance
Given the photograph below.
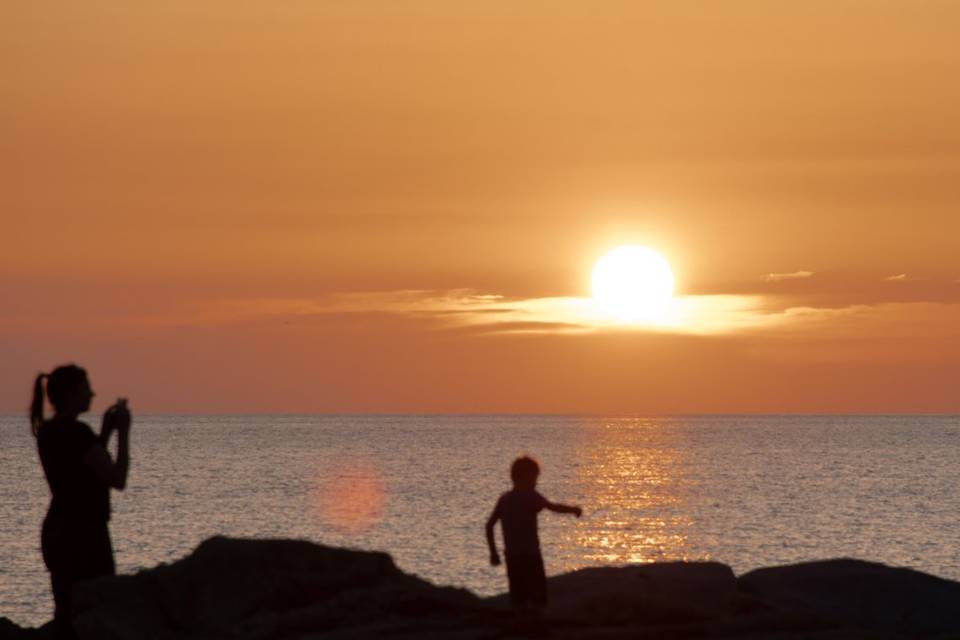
(289, 589)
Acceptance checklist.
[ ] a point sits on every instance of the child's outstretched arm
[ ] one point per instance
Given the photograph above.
(556, 507)
(491, 522)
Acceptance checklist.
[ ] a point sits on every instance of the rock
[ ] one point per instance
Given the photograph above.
(669, 600)
(294, 590)
(11, 631)
(254, 589)
(652, 593)
(861, 594)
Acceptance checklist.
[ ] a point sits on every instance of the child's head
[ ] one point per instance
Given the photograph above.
(524, 472)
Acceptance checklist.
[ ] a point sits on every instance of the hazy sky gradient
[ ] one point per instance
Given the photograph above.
(172, 176)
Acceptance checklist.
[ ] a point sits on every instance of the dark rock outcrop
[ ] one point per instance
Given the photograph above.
(861, 594)
(665, 592)
(255, 589)
(10, 631)
(285, 589)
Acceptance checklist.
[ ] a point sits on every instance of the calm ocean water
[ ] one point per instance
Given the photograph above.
(748, 491)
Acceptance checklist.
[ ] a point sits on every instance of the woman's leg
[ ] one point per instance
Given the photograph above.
(62, 584)
(74, 552)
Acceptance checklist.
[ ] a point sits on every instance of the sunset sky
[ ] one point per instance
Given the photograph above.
(395, 206)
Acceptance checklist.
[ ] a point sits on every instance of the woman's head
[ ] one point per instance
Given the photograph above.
(68, 388)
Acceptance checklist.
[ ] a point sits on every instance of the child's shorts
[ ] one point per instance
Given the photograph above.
(528, 581)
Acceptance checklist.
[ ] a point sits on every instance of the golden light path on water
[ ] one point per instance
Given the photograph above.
(631, 484)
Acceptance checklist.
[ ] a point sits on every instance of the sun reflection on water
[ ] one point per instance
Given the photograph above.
(633, 490)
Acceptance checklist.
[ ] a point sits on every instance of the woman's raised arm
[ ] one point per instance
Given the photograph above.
(112, 473)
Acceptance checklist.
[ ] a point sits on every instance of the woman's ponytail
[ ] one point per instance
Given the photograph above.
(36, 407)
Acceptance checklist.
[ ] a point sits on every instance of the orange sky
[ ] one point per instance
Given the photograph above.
(307, 206)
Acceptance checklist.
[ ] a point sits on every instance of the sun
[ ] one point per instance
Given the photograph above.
(633, 284)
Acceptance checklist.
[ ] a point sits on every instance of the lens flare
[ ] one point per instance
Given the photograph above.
(350, 498)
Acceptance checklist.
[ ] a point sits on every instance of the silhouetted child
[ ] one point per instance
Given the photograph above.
(518, 509)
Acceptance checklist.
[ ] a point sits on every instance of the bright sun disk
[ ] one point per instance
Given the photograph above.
(633, 284)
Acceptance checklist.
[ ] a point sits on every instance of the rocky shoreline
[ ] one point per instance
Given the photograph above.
(289, 589)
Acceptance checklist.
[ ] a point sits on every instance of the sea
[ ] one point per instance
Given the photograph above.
(746, 490)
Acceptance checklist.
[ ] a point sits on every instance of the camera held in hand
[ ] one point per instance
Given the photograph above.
(117, 417)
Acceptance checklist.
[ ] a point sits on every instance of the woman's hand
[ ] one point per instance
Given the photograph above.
(116, 418)
(109, 423)
(113, 474)
(121, 416)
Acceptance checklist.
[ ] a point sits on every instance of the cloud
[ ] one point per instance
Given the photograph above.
(479, 313)
(700, 315)
(902, 277)
(796, 275)
(496, 314)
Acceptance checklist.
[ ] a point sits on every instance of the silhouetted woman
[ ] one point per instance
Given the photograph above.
(75, 539)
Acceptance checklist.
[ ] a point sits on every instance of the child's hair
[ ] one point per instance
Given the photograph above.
(523, 468)
(60, 382)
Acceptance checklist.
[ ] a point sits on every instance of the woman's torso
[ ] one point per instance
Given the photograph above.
(77, 494)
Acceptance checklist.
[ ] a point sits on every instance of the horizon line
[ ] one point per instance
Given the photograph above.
(880, 414)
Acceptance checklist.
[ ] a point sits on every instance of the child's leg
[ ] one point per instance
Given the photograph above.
(538, 583)
(515, 581)
(528, 583)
